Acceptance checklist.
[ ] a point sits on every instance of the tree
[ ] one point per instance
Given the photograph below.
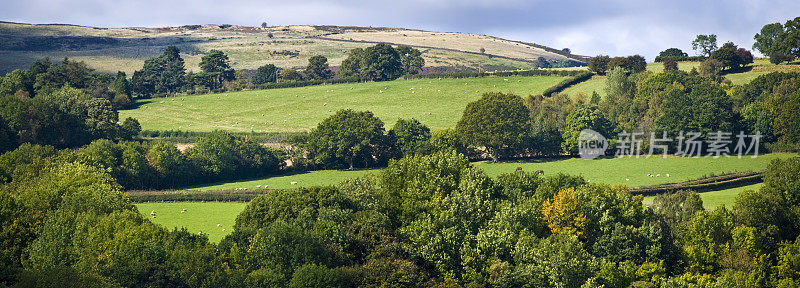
(347, 137)
(674, 53)
(164, 74)
(636, 63)
(599, 64)
(731, 56)
(121, 84)
(263, 24)
(352, 66)
(499, 122)
(670, 65)
(542, 63)
(217, 65)
(410, 135)
(782, 105)
(290, 74)
(767, 39)
(381, 63)
(317, 68)
(710, 67)
(705, 44)
(411, 59)
(130, 128)
(789, 40)
(778, 57)
(583, 117)
(265, 74)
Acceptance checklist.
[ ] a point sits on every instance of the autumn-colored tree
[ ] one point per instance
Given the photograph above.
(563, 213)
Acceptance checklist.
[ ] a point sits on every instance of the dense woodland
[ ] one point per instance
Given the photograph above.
(430, 218)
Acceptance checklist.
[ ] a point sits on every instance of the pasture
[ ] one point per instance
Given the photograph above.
(199, 216)
(437, 103)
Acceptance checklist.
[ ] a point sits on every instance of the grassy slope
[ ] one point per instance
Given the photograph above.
(199, 216)
(300, 109)
(609, 171)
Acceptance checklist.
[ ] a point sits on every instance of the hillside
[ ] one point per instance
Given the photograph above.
(125, 49)
(437, 103)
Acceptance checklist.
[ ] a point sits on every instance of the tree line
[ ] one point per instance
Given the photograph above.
(167, 74)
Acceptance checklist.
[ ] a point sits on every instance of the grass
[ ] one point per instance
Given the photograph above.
(199, 216)
(609, 171)
(714, 199)
(436, 103)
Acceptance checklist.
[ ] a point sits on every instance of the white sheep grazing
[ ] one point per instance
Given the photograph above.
(658, 175)
(667, 174)
(258, 186)
(218, 225)
(223, 229)
(293, 183)
(626, 179)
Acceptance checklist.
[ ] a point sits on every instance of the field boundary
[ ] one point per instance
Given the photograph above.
(712, 183)
(142, 196)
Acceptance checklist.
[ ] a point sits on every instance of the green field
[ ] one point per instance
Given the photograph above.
(609, 171)
(199, 216)
(437, 103)
(714, 199)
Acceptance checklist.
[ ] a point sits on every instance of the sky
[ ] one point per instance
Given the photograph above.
(588, 27)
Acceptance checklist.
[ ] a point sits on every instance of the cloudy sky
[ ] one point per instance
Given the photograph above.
(588, 27)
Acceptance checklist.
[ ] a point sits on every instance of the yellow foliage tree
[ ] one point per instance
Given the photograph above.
(562, 213)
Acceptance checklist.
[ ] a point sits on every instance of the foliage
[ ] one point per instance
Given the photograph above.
(499, 122)
(161, 75)
(409, 135)
(317, 68)
(705, 44)
(348, 138)
(265, 74)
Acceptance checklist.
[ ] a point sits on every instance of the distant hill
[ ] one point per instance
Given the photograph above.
(125, 49)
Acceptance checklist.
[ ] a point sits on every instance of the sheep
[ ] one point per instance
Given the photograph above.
(265, 186)
(223, 229)
(627, 179)
(658, 175)
(293, 183)
(258, 186)
(667, 174)
(218, 225)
